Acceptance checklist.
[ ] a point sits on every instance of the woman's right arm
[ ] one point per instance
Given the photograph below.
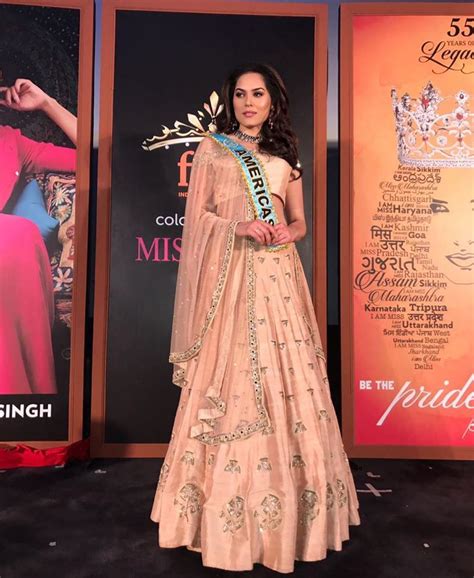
(24, 95)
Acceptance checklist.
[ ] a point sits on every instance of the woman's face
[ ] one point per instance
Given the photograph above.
(251, 101)
(452, 227)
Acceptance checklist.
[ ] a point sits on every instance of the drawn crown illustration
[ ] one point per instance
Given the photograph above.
(433, 131)
(193, 131)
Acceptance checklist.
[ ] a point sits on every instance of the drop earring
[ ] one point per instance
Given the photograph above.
(270, 118)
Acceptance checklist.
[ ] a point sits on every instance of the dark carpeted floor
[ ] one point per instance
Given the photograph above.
(91, 520)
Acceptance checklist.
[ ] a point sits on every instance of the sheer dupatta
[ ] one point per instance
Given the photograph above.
(214, 305)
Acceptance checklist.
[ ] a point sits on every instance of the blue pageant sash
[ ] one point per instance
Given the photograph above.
(258, 189)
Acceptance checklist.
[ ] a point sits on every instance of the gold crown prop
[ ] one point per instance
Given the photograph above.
(192, 131)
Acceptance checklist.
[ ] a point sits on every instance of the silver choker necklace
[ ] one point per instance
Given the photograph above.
(247, 137)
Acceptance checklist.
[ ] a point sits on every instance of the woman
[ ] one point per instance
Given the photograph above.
(26, 287)
(255, 470)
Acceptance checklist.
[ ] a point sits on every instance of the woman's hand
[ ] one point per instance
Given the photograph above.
(258, 230)
(23, 96)
(283, 234)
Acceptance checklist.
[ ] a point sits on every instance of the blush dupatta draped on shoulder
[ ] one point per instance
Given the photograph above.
(214, 304)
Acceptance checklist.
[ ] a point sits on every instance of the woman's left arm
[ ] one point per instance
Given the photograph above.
(24, 95)
(294, 208)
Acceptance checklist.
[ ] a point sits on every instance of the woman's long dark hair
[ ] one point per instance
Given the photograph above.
(279, 141)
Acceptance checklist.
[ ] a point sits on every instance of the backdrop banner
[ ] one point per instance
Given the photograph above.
(45, 119)
(409, 205)
(158, 117)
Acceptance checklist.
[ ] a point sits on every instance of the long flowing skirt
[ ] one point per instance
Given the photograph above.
(281, 495)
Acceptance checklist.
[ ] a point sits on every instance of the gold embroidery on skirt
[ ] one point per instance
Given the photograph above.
(317, 349)
(298, 461)
(269, 513)
(233, 512)
(319, 352)
(163, 475)
(188, 458)
(189, 500)
(299, 427)
(232, 466)
(341, 493)
(323, 415)
(308, 507)
(264, 464)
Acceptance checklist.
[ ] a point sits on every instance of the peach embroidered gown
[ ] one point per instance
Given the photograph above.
(255, 471)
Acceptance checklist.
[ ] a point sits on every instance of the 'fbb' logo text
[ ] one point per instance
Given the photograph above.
(184, 165)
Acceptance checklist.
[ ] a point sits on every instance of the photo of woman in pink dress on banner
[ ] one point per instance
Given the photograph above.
(27, 229)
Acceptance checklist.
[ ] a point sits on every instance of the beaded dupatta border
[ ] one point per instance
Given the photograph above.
(178, 357)
(208, 416)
